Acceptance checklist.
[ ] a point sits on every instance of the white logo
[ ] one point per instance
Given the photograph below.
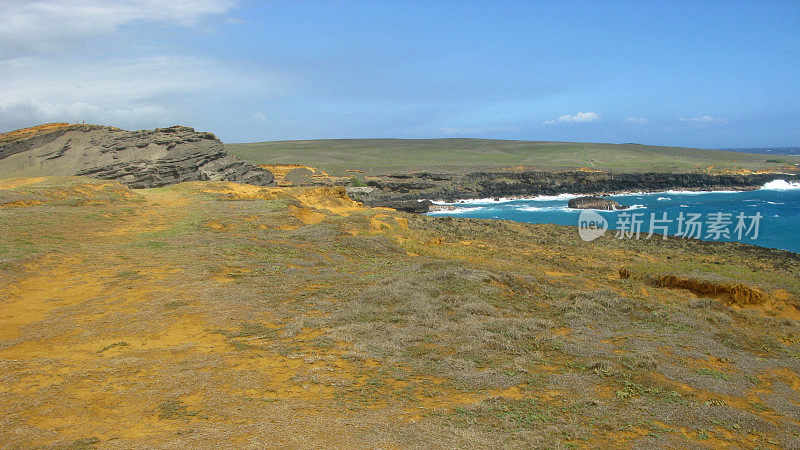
(591, 225)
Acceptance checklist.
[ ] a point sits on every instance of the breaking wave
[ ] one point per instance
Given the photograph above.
(780, 185)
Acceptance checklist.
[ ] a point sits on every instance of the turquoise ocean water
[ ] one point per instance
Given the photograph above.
(767, 217)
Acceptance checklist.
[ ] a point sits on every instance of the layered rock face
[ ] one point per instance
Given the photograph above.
(139, 159)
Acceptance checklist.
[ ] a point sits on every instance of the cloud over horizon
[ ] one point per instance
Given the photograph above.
(128, 92)
(63, 65)
(575, 118)
(703, 121)
(636, 120)
(48, 26)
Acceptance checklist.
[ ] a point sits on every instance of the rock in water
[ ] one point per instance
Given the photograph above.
(411, 206)
(139, 159)
(591, 202)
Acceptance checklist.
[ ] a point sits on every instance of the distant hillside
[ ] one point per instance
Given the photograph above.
(795, 151)
(458, 155)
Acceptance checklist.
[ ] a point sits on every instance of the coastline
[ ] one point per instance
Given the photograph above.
(418, 192)
(775, 200)
(570, 195)
(566, 196)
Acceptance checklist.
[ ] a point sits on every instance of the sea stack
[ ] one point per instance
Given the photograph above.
(592, 202)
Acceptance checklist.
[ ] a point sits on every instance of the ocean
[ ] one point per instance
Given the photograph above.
(767, 217)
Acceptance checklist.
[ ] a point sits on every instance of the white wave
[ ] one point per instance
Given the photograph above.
(548, 198)
(633, 207)
(633, 193)
(772, 185)
(453, 211)
(544, 208)
(663, 199)
(639, 194)
(674, 192)
(780, 185)
(776, 203)
(493, 201)
(476, 201)
(684, 206)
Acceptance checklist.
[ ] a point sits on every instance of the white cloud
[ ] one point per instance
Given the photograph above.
(703, 121)
(135, 93)
(35, 112)
(61, 62)
(26, 79)
(574, 118)
(259, 117)
(636, 120)
(49, 26)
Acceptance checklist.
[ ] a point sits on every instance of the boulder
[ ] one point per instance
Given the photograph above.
(362, 193)
(410, 206)
(592, 202)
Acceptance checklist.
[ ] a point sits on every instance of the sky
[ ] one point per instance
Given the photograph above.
(686, 73)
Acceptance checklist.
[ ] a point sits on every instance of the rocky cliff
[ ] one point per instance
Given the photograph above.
(139, 159)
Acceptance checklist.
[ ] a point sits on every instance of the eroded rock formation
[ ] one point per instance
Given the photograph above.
(139, 159)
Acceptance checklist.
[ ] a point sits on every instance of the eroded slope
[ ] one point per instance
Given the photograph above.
(139, 159)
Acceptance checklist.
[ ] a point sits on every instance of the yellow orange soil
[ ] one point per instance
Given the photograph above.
(183, 344)
(306, 215)
(24, 133)
(84, 353)
(10, 183)
(280, 171)
(53, 283)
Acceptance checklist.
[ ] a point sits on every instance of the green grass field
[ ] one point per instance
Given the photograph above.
(459, 155)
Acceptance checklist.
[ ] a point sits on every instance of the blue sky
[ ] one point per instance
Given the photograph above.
(701, 74)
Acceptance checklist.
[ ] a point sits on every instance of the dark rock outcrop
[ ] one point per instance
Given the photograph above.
(139, 159)
(455, 187)
(411, 206)
(592, 202)
(397, 189)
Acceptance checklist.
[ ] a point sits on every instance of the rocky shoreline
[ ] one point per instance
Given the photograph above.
(414, 192)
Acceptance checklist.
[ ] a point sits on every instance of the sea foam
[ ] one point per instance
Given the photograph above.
(780, 185)
(501, 200)
(453, 211)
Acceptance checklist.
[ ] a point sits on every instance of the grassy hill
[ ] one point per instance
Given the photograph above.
(211, 314)
(458, 155)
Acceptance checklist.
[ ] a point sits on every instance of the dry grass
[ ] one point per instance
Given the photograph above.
(211, 314)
